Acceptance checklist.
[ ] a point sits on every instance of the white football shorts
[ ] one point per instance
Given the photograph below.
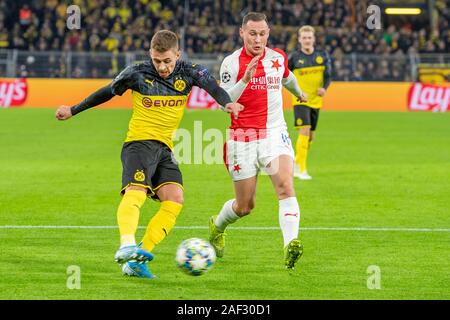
(245, 159)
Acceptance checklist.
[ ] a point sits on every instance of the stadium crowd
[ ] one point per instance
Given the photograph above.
(212, 28)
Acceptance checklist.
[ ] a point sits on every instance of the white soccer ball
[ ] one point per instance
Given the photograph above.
(195, 256)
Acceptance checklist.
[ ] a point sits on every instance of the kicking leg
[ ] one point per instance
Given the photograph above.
(171, 197)
(128, 220)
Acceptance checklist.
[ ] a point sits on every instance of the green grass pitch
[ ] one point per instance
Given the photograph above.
(371, 171)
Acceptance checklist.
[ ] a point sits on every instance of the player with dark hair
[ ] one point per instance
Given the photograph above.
(160, 89)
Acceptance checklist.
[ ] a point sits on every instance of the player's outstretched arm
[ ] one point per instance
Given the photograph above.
(98, 97)
(223, 98)
(206, 81)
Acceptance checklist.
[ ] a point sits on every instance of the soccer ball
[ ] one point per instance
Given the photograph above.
(195, 256)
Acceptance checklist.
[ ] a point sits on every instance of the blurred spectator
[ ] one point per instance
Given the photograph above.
(25, 15)
(211, 28)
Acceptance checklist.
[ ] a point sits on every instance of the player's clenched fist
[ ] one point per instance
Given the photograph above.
(302, 98)
(63, 113)
(321, 92)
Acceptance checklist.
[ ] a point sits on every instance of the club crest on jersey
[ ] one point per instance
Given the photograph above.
(301, 61)
(226, 77)
(139, 175)
(275, 64)
(180, 85)
(319, 60)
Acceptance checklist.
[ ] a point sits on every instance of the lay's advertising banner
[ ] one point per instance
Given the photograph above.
(340, 96)
(427, 97)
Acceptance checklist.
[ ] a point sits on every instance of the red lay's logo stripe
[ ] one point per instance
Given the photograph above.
(13, 93)
(424, 97)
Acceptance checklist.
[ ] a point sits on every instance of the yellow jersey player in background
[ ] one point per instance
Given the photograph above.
(312, 68)
(160, 88)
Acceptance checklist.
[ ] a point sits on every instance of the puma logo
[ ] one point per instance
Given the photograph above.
(291, 214)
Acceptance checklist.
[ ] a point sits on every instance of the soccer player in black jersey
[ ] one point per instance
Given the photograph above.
(160, 89)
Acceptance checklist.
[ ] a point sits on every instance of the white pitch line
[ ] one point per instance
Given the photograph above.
(234, 228)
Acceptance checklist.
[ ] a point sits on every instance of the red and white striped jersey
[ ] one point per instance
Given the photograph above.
(262, 98)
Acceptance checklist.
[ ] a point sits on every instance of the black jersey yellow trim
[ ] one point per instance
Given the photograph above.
(310, 80)
(156, 117)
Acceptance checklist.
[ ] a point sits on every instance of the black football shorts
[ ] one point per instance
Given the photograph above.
(305, 116)
(149, 164)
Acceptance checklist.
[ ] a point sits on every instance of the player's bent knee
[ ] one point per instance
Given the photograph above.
(285, 189)
(174, 197)
(243, 210)
(171, 192)
(138, 188)
(306, 131)
(178, 199)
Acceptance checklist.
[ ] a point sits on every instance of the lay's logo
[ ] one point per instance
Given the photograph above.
(13, 93)
(163, 101)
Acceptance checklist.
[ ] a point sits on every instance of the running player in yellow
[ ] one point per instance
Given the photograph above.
(312, 68)
(160, 88)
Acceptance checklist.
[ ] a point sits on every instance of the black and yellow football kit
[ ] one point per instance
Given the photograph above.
(158, 107)
(147, 157)
(313, 71)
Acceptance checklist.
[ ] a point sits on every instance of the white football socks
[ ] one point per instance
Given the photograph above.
(226, 216)
(289, 217)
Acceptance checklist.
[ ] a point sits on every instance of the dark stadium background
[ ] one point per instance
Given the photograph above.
(116, 33)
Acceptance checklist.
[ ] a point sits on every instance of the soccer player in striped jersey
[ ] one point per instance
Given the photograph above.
(254, 77)
(312, 68)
